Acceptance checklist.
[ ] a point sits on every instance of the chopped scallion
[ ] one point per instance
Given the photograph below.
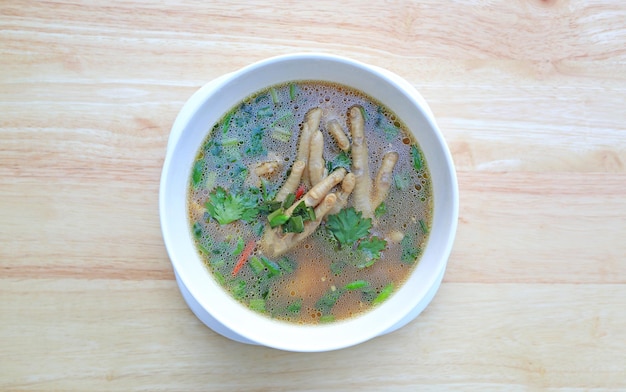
(284, 118)
(384, 294)
(277, 218)
(300, 208)
(257, 304)
(219, 277)
(289, 200)
(357, 284)
(363, 113)
(264, 189)
(292, 91)
(286, 264)
(272, 268)
(239, 247)
(204, 249)
(210, 180)
(230, 142)
(282, 134)
(327, 318)
(265, 112)
(217, 262)
(226, 123)
(273, 206)
(307, 213)
(295, 224)
(423, 226)
(197, 230)
(274, 95)
(238, 288)
(256, 264)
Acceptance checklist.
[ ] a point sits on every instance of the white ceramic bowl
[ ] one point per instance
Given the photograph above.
(210, 303)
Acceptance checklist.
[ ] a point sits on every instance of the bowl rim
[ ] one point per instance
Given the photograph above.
(187, 114)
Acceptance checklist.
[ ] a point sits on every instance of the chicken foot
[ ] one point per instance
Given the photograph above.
(310, 169)
(368, 193)
(274, 242)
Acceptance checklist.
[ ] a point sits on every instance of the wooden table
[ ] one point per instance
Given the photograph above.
(530, 96)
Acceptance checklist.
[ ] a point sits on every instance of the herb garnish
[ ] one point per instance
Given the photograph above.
(371, 249)
(227, 207)
(417, 158)
(348, 226)
(341, 160)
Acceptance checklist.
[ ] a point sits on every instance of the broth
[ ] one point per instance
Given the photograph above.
(343, 264)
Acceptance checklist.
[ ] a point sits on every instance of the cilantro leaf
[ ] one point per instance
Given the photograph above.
(391, 132)
(371, 249)
(197, 230)
(238, 173)
(348, 226)
(196, 175)
(255, 145)
(285, 119)
(380, 116)
(226, 208)
(239, 247)
(417, 158)
(294, 307)
(409, 251)
(328, 300)
(401, 181)
(337, 267)
(223, 207)
(341, 160)
(249, 201)
(380, 210)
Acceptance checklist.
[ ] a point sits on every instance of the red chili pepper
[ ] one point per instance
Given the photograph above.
(243, 257)
(300, 191)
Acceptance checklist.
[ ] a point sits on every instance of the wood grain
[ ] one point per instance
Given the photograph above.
(529, 95)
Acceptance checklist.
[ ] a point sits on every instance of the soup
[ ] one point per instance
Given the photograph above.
(310, 202)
